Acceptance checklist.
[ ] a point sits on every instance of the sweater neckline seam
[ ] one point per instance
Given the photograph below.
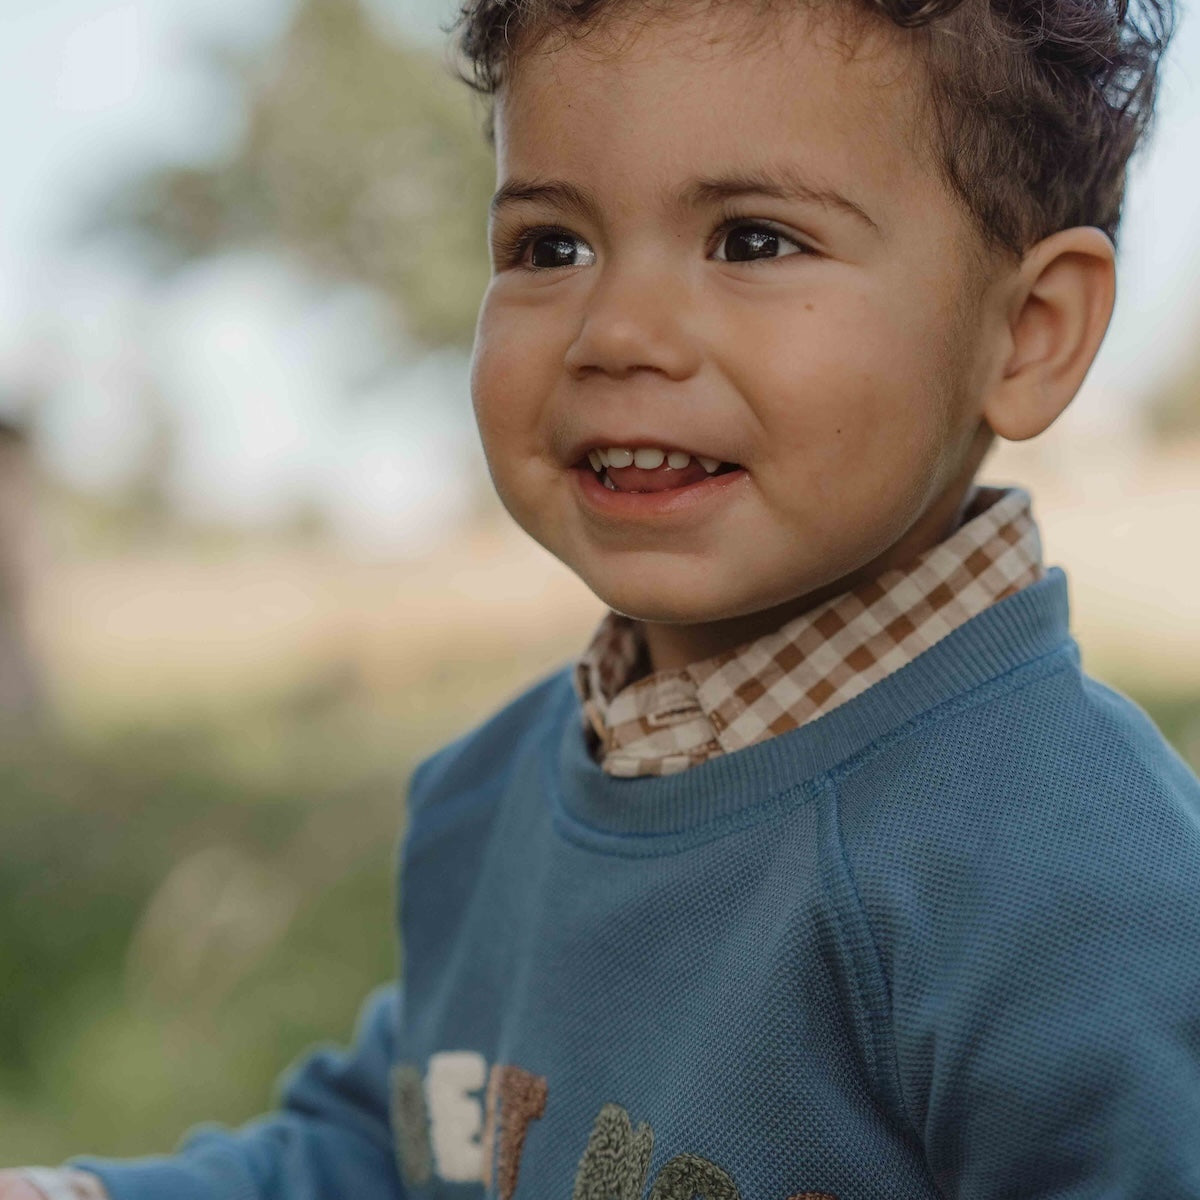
(1020, 675)
(660, 843)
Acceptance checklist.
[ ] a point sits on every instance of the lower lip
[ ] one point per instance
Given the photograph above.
(654, 505)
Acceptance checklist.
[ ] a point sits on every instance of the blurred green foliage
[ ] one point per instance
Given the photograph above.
(187, 907)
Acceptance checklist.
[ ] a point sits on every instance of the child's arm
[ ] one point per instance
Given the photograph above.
(1048, 1015)
(330, 1136)
(1074, 1072)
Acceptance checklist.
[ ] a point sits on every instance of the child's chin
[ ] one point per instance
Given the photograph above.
(663, 607)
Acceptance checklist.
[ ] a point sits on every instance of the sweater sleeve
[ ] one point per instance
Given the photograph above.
(1046, 1008)
(1076, 1071)
(330, 1136)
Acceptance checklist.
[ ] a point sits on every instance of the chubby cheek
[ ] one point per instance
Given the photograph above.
(511, 389)
(509, 386)
(848, 390)
(849, 421)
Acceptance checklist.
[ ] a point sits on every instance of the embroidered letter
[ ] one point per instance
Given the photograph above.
(514, 1098)
(414, 1156)
(456, 1116)
(614, 1165)
(687, 1177)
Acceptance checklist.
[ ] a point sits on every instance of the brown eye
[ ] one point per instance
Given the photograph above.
(749, 243)
(559, 250)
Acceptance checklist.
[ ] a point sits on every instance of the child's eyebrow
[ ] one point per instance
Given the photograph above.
(781, 183)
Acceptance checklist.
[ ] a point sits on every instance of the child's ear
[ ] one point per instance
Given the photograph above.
(1057, 315)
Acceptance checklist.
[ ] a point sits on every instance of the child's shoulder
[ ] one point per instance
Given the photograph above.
(1048, 727)
(1056, 783)
(1023, 871)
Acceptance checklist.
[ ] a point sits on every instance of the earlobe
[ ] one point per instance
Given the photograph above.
(1057, 319)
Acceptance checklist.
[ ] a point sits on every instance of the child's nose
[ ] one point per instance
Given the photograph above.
(635, 319)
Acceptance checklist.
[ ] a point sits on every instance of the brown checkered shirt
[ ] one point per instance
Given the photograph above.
(657, 724)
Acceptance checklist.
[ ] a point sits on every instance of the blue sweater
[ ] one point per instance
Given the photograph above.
(943, 941)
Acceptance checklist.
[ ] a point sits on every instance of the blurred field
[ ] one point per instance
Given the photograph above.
(195, 868)
(121, 634)
(1123, 519)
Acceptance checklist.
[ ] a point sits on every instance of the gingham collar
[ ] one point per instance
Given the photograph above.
(640, 723)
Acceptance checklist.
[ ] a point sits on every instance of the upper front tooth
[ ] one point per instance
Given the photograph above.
(595, 459)
(649, 458)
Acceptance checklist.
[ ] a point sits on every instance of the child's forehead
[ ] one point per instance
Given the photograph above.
(696, 91)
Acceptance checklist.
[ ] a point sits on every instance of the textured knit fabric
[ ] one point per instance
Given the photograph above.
(657, 724)
(942, 942)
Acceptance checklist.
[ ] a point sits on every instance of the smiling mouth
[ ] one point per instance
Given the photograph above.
(619, 471)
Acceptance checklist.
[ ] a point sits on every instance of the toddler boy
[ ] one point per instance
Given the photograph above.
(826, 872)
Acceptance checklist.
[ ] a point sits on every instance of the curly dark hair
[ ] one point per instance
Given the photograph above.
(1037, 104)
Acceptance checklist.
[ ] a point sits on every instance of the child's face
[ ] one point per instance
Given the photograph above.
(840, 367)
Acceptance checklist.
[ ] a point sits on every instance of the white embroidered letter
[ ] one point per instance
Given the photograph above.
(456, 1116)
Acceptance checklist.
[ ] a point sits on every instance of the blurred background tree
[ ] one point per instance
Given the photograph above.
(362, 158)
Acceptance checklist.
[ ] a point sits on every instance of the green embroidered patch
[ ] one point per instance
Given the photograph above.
(689, 1177)
(615, 1163)
(410, 1119)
